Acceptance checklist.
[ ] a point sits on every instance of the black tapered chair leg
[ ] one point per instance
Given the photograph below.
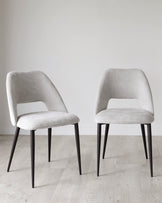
(76, 126)
(32, 141)
(13, 147)
(98, 147)
(105, 139)
(144, 139)
(49, 143)
(150, 147)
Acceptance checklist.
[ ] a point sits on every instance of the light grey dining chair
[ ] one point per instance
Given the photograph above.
(124, 84)
(35, 86)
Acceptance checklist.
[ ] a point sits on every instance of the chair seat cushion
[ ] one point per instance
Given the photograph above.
(45, 119)
(124, 116)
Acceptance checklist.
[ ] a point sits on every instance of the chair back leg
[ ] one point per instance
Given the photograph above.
(144, 139)
(150, 147)
(32, 142)
(49, 143)
(105, 139)
(98, 147)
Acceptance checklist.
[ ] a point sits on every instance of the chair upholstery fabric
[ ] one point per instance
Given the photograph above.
(126, 116)
(46, 119)
(124, 84)
(35, 86)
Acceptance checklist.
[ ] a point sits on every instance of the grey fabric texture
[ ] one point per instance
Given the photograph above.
(46, 119)
(35, 86)
(124, 84)
(124, 116)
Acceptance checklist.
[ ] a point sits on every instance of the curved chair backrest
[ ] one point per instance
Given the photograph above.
(35, 86)
(125, 84)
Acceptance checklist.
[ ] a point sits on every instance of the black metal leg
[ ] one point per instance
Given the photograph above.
(32, 134)
(150, 147)
(78, 146)
(144, 139)
(98, 147)
(13, 147)
(49, 143)
(105, 139)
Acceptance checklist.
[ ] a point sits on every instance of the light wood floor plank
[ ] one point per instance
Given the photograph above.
(124, 174)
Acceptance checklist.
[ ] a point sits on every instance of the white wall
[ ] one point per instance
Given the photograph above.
(74, 42)
(3, 106)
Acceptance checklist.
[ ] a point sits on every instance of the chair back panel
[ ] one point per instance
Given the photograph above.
(26, 87)
(124, 84)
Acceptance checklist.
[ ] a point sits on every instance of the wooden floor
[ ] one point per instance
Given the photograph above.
(125, 175)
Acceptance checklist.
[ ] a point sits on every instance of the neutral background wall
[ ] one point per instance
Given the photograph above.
(74, 42)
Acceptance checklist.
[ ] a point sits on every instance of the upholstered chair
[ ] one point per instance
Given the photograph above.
(25, 87)
(124, 84)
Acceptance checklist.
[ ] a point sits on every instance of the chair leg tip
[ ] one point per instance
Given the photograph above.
(80, 171)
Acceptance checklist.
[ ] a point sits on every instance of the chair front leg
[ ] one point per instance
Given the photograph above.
(32, 142)
(13, 148)
(49, 143)
(98, 147)
(105, 139)
(144, 139)
(76, 127)
(150, 147)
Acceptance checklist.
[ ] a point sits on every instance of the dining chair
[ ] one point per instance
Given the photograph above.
(35, 86)
(124, 84)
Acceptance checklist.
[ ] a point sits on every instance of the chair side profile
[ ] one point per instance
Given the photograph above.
(35, 86)
(124, 84)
